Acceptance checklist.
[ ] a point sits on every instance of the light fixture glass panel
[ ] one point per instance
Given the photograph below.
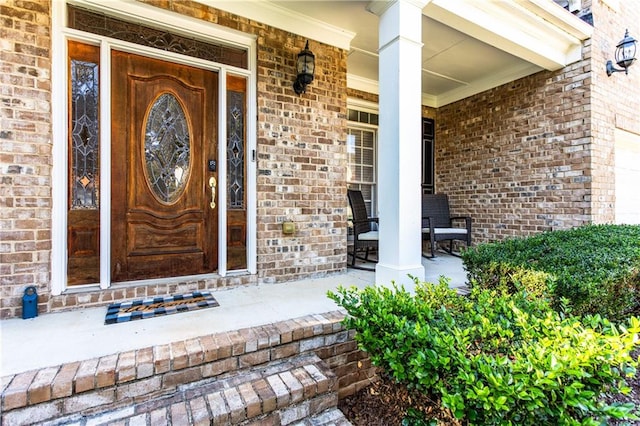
(629, 51)
(626, 51)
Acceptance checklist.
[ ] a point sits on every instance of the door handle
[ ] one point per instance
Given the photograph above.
(212, 185)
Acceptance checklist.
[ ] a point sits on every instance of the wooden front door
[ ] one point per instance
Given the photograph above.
(163, 182)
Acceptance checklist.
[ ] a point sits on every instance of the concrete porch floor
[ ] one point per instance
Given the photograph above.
(58, 338)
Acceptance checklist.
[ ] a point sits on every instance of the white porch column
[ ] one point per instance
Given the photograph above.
(399, 142)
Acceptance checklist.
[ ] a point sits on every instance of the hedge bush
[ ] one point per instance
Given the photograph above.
(595, 269)
(494, 359)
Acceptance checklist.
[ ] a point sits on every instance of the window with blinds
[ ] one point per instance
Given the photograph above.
(362, 147)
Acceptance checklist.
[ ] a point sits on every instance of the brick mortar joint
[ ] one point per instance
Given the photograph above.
(316, 324)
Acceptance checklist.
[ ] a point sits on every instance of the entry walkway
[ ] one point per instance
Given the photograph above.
(58, 338)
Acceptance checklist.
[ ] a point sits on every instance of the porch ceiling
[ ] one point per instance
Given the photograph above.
(469, 45)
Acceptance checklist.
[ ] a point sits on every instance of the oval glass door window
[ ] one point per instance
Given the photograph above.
(167, 148)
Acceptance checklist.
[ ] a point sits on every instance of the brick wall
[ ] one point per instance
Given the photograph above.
(537, 154)
(517, 157)
(301, 157)
(359, 94)
(429, 112)
(25, 151)
(615, 100)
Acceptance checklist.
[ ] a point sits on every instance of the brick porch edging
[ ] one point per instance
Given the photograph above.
(129, 377)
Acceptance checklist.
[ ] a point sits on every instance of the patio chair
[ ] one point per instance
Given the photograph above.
(364, 235)
(439, 225)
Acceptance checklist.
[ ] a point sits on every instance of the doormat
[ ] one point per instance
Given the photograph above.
(157, 306)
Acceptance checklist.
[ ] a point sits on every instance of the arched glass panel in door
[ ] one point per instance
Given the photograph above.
(167, 148)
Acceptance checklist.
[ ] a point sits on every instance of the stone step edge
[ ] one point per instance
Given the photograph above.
(279, 396)
(175, 363)
(329, 417)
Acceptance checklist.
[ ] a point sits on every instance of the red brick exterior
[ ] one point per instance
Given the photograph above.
(532, 155)
(300, 160)
(25, 152)
(136, 383)
(537, 154)
(615, 100)
(516, 158)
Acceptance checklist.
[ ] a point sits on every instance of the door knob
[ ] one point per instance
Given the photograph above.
(212, 185)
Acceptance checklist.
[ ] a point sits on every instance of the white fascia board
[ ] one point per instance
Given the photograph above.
(362, 105)
(264, 12)
(153, 16)
(364, 84)
(558, 16)
(430, 100)
(544, 34)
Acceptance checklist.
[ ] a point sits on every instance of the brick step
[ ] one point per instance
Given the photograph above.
(278, 393)
(330, 417)
(173, 373)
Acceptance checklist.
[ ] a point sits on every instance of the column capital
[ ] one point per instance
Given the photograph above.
(378, 7)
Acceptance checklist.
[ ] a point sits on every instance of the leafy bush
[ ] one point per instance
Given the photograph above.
(494, 359)
(595, 268)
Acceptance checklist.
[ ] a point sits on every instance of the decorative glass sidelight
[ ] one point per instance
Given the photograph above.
(235, 149)
(83, 156)
(167, 148)
(84, 135)
(236, 173)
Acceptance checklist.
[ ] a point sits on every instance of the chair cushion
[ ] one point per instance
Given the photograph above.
(461, 231)
(368, 236)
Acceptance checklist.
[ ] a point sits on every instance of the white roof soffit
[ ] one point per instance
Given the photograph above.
(286, 19)
(538, 31)
(478, 86)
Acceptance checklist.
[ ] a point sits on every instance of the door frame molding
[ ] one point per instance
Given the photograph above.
(157, 18)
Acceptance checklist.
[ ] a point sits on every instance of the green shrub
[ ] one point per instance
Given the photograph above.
(511, 279)
(494, 359)
(595, 268)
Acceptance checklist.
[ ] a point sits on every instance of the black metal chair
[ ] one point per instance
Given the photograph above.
(439, 225)
(365, 237)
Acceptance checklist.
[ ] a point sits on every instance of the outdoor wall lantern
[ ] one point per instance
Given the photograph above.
(625, 55)
(305, 66)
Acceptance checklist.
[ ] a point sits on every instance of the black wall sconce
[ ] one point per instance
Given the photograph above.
(305, 67)
(625, 55)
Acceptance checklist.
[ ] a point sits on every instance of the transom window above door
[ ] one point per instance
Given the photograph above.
(97, 23)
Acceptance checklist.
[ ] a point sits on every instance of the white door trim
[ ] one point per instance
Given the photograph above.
(157, 18)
